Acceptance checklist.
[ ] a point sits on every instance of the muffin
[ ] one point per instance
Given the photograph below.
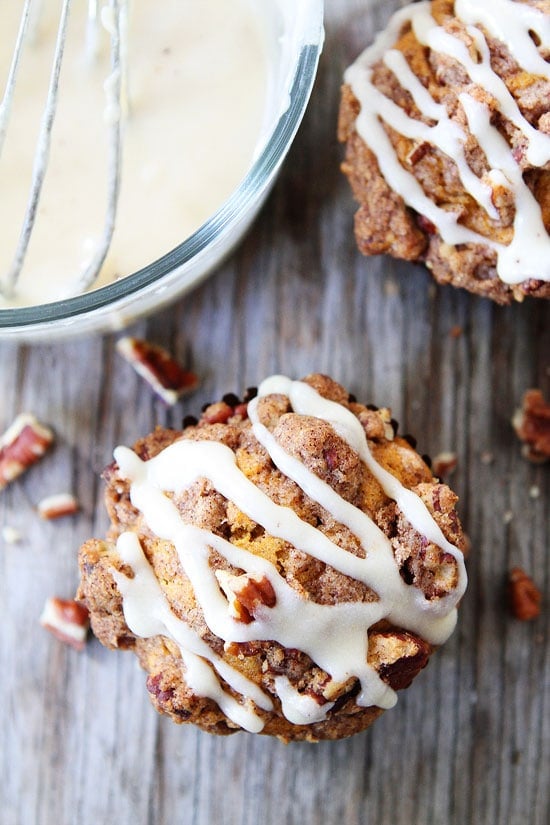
(283, 565)
(446, 121)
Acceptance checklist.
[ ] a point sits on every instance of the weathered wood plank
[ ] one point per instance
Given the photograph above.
(470, 741)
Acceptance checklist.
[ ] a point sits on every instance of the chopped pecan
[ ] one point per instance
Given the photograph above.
(156, 687)
(401, 656)
(532, 285)
(167, 378)
(241, 409)
(377, 423)
(67, 619)
(23, 443)
(331, 689)
(398, 656)
(443, 464)
(246, 594)
(532, 426)
(426, 225)
(317, 696)
(418, 151)
(331, 458)
(218, 413)
(524, 596)
(518, 153)
(372, 424)
(56, 506)
(242, 649)
(222, 411)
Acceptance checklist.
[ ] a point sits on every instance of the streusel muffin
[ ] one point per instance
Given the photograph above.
(446, 120)
(283, 565)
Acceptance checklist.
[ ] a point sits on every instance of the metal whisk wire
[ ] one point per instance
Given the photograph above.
(42, 152)
(114, 85)
(5, 105)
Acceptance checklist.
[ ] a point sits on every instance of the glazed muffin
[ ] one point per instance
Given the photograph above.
(283, 565)
(446, 121)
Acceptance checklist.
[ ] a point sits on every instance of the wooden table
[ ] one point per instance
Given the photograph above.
(470, 741)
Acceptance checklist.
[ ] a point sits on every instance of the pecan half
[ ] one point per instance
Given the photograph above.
(67, 619)
(23, 443)
(162, 372)
(524, 596)
(532, 426)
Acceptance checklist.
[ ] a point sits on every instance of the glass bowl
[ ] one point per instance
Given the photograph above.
(297, 43)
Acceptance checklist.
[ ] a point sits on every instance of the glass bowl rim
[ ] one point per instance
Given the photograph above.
(257, 179)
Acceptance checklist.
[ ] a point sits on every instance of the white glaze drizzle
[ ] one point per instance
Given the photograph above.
(510, 22)
(300, 710)
(528, 254)
(143, 591)
(334, 636)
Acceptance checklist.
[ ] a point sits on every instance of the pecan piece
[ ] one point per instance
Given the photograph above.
(157, 688)
(524, 596)
(398, 656)
(242, 649)
(443, 464)
(426, 225)
(372, 424)
(246, 594)
(67, 619)
(532, 426)
(224, 411)
(218, 413)
(23, 443)
(56, 506)
(153, 363)
(418, 151)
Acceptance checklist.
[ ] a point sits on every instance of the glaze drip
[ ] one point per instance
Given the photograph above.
(335, 636)
(528, 253)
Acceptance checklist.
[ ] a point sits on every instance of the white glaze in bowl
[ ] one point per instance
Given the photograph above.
(297, 42)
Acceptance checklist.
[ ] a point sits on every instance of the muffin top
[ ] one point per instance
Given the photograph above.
(282, 565)
(452, 100)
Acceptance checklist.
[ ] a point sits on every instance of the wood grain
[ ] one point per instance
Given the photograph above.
(470, 741)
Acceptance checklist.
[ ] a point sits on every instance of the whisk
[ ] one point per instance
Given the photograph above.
(114, 19)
